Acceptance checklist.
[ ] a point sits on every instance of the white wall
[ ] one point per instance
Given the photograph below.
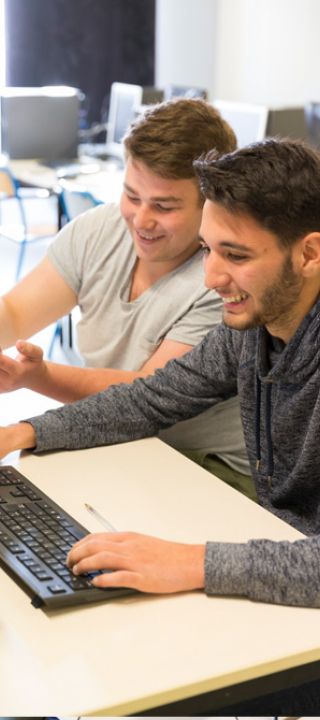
(2, 45)
(185, 42)
(262, 51)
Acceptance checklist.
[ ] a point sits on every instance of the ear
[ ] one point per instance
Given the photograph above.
(310, 255)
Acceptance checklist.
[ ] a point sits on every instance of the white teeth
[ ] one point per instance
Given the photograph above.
(235, 298)
(147, 237)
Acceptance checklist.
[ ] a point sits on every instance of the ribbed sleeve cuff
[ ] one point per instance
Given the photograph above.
(50, 432)
(226, 569)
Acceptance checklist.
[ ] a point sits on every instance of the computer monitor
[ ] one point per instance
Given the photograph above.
(125, 103)
(41, 123)
(252, 123)
(287, 122)
(312, 116)
(248, 121)
(172, 91)
(125, 99)
(151, 95)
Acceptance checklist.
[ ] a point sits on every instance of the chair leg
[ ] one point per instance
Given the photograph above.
(56, 334)
(22, 252)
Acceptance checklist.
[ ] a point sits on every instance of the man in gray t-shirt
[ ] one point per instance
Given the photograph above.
(136, 273)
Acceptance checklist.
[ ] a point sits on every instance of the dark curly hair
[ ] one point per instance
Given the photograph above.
(276, 182)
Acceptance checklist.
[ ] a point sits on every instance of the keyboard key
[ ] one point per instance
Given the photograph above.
(77, 583)
(43, 575)
(55, 588)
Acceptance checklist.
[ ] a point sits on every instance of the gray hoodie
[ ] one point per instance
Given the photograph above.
(278, 387)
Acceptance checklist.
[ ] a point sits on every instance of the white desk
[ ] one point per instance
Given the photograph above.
(137, 653)
(105, 183)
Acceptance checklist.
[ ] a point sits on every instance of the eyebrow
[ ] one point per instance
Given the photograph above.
(157, 198)
(230, 245)
(235, 246)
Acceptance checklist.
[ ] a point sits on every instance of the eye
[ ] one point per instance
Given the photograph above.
(235, 257)
(132, 198)
(205, 248)
(164, 208)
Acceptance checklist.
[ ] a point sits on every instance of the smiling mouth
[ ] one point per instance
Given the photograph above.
(148, 238)
(235, 299)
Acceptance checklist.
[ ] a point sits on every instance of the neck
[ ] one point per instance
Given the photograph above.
(146, 274)
(285, 328)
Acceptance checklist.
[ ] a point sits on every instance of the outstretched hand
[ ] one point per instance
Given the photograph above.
(139, 561)
(20, 371)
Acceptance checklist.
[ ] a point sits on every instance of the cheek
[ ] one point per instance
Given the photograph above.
(253, 281)
(189, 227)
(124, 207)
(195, 220)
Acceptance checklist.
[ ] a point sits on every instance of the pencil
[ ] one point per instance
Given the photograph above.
(100, 517)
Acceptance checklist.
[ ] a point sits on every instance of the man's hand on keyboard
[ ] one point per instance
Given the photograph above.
(139, 561)
(22, 370)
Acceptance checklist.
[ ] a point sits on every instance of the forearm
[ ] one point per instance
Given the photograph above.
(8, 330)
(68, 383)
(126, 412)
(284, 572)
(40, 298)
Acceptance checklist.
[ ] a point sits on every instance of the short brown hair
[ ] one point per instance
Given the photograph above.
(276, 182)
(169, 136)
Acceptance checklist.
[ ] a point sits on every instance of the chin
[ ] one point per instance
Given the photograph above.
(240, 323)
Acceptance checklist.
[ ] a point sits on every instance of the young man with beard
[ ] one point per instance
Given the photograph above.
(261, 237)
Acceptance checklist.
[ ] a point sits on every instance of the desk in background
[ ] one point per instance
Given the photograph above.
(102, 178)
(142, 653)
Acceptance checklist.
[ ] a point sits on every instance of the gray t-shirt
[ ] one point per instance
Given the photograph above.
(95, 256)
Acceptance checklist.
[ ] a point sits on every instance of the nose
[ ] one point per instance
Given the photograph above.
(216, 275)
(143, 217)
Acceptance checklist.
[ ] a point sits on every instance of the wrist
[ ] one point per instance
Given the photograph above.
(198, 567)
(37, 377)
(21, 436)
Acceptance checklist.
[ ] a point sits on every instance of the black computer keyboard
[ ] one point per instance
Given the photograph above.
(35, 537)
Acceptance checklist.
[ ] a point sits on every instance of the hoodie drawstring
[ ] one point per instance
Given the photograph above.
(257, 423)
(270, 463)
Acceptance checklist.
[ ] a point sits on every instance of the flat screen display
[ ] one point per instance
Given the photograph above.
(125, 101)
(40, 123)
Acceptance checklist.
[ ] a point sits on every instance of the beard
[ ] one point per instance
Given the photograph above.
(278, 302)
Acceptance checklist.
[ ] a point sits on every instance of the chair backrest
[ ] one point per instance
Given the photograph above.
(75, 201)
(8, 186)
(9, 190)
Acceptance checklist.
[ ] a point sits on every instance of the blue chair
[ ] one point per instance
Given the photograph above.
(73, 202)
(18, 213)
